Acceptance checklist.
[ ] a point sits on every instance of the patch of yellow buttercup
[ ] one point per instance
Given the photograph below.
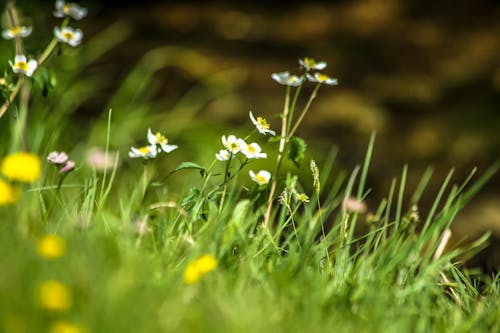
(8, 194)
(51, 247)
(195, 270)
(55, 296)
(23, 167)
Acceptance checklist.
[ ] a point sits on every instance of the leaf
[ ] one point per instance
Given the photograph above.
(182, 166)
(296, 150)
(190, 165)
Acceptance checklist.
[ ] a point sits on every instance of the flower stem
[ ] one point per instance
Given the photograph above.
(306, 108)
(281, 149)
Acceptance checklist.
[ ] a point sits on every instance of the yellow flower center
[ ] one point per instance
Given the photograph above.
(68, 35)
(251, 149)
(322, 77)
(160, 138)
(144, 150)
(263, 123)
(261, 179)
(66, 8)
(15, 30)
(309, 62)
(21, 65)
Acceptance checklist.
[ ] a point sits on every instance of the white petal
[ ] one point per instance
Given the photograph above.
(32, 65)
(20, 58)
(7, 34)
(151, 137)
(168, 148)
(254, 121)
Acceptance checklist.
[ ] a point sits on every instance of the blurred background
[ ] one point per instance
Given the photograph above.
(425, 75)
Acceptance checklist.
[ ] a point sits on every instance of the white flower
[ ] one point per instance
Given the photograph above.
(252, 150)
(144, 152)
(69, 35)
(160, 139)
(56, 157)
(69, 9)
(14, 32)
(261, 124)
(311, 64)
(231, 143)
(223, 155)
(288, 80)
(21, 65)
(262, 177)
(322, 78)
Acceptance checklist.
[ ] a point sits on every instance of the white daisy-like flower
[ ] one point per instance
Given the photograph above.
(322, 78)
(144, 152)
(261, 124)
(69, 9)
(232, 144)
(311, 64)
(287, 79)
(262, 177)
(252, 150)
(159, 139)
(19, 31)
(22, 65)
(68, 35)
(223, 155)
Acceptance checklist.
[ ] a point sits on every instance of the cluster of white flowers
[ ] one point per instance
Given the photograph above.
(234, 145)
(309, 65)
(64, 34)
(157, 143)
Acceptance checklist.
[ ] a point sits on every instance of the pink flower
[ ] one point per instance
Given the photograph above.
(57, 157)
(70, 165)
(353, 205)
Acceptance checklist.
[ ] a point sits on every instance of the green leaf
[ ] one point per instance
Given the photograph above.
(296, 150)
(182, 166)
(190, 165)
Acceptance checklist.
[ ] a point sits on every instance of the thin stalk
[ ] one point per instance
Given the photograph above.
(13, 22)
(292, 108)
(281, 149)
(306, 108)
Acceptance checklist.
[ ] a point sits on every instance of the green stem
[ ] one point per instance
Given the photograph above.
(306, 108)
(281, 149)
(292, 108)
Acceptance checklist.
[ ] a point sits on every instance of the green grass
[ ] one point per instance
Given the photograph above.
(314, 267)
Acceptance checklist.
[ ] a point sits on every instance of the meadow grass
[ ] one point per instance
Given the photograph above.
(164, 245)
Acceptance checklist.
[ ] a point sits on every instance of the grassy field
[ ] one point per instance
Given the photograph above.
(130, 232)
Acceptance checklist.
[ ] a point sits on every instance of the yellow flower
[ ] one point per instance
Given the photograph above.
(206, 263)
(51, 247)
(24, 167)
(65, 327)
(197, 269)
(54, 295)
(8, 194)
